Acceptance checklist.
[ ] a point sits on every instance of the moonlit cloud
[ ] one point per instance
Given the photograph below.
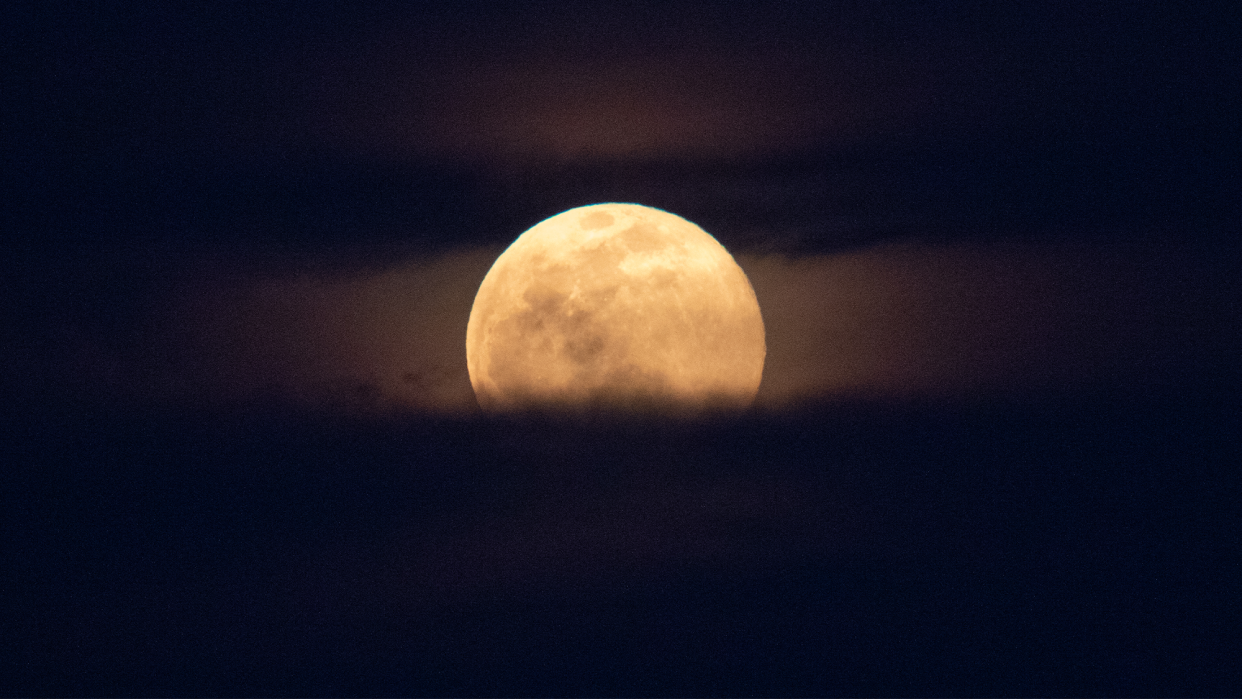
(946, 320)
(362, 340)
(895, 320)
(716, 105)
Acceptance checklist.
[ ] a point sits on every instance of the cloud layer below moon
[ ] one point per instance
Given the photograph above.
(890, 321)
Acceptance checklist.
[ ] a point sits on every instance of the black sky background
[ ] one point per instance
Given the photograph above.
(1068, 538)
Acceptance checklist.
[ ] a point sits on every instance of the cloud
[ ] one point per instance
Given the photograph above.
(690, 103)
(910, 319)
(361, 340)
(891, 321)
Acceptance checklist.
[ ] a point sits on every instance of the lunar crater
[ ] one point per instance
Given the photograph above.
(596, 220)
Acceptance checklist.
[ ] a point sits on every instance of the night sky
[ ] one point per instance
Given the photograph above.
(994, 451)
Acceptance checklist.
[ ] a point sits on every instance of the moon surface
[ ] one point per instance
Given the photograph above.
(615, 306)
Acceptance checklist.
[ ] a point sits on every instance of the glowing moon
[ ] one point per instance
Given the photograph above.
(615, 305)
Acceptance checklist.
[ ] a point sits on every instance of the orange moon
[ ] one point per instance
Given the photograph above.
(615, 306)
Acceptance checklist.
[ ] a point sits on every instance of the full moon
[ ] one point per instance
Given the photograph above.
(616, 306)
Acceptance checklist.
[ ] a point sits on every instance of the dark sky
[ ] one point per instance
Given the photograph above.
(995, 249)
(1081, 112)
(166, 161)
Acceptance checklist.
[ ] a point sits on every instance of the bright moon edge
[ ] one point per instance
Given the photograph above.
(617, 307)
